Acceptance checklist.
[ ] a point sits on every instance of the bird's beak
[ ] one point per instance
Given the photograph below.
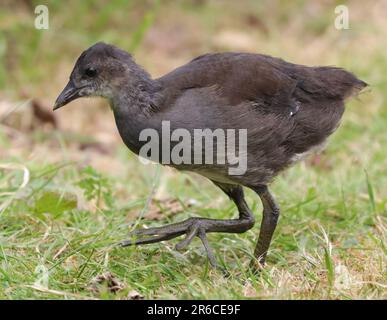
(69, 93)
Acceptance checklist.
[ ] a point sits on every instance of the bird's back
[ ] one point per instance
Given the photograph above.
(287, 109)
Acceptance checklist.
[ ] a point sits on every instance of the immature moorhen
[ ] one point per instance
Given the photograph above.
(286, 109)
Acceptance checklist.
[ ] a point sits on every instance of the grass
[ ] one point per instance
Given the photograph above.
(329, 243)
(64, 203)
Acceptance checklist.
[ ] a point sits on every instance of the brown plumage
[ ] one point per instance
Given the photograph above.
(287, 109)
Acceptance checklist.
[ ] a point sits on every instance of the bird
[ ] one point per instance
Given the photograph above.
(287, 111)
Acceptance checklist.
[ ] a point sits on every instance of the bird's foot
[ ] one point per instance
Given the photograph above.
(193, 227)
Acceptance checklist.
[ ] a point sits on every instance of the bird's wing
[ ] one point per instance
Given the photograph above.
(238, 78)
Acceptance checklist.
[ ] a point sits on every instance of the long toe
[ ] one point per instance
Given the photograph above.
(157, 234)
(147, 240)
(198, 229)
(191, 233)
(175, 228)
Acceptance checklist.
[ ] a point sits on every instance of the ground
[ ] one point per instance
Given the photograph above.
(70, 190)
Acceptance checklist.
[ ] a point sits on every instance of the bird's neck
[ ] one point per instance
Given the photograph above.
(133, 105)
(136, 93)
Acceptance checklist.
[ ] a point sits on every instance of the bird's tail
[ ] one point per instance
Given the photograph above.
(335, 83)
(329, 82)
(339, 82)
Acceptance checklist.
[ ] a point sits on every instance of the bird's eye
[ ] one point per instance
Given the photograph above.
(90, 72)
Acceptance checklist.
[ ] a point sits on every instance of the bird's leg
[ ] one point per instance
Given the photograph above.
(270, 216)
(199, 226)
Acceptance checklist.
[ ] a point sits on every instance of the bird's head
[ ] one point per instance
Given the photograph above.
(99, 72)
